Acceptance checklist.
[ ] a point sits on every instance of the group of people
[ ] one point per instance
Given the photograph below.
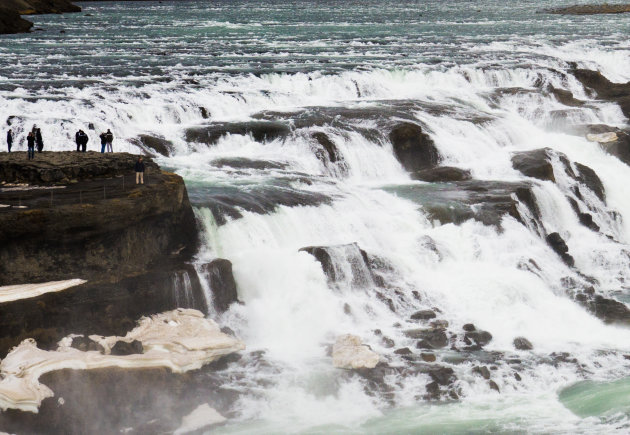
(34, 139)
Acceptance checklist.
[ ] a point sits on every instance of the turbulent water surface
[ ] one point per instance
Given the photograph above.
(475, 75)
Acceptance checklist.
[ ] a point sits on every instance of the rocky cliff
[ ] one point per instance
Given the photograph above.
(10, 11)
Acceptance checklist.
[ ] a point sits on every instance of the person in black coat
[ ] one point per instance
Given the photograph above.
(30, 143)
(139, 168)
(39, 140)
(77, 139)
(84, 141)
(10, 139)
(103, 137)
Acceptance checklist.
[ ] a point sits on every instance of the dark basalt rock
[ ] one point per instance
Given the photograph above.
(619, 148)
(361, 273)
(609, 310)
(481, 371)
(566, 97)
(535, 164)
(261, 131)
(11, 22)
(469, 327)
(86, 344)
(72, 231)
(330, 149)
(557, 243)
(477, 338)
(521, 343)
(590, 178)
(605, 89)
(442, 375)
(423, 315)
(442, 174)
(245, 163)
(221, 280)
(589, 9)
(493, 385)
(428, 357)
(413, 148)
(429, 338)
(154, 145)
(403, 351)
(125, 348)
(586, 219)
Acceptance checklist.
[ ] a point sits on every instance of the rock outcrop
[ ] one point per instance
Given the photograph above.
(97, 226)
(590, 9)
(10, 11)
(349, 352)
(413, 148)
(219, 275)
(604, 88)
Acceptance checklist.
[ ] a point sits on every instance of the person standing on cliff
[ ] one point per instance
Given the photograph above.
(103, 137)
(139, 168)
(10, 139)
(84, 140)
(39, 140)
(110, 139)
(30, 143)
(77, 140)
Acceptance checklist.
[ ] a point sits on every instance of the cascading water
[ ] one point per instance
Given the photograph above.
(482, 94)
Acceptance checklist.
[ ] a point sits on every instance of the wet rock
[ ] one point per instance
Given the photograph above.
(154, 145)
(590, 178)
(388, 342)
(125, 348)
(442, 375)
(493, 385)
(566, 97)
(477, 338)
(403, 351)
(469, 327)
(85, 344)
(220, 278)
(261, 131)
(521, 343)
(433, 390)
(12, 22)
(245, 163)
(423, 315)
(586, 219)
(442, 174)
(428, 357)
(350, 353)
(481, 371)
(328, 146)
(605, 89)
(413, 148)
(609, 310)
(517, 376)
(589, 9)
(535, 163)
(431, 339)
(204, 112)
(557, 243)
(439, 324)
(360, 271)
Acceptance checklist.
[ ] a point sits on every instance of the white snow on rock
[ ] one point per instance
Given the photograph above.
(181, 340)
(350, 353)
(11, 293)
(602, 137)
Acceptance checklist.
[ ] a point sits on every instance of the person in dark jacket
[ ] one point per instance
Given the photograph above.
(103, 137)
(139, 168)
(110, 139)
(30, 143)
(10, 139)
(83, 140)
(39, 140)
(77, 139)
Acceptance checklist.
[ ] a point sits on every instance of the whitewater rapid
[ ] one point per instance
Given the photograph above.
(478, 114)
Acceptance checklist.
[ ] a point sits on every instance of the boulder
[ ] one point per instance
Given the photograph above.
(220, 278)
(127, 348)
(493, 386)
(359, 274)
(413, 148)
(329, 148)
(610, 310)
(566, 97)
(428, 357)
(589, 177)
(350, 353)
(154, 145)
(481, 371)
(429, 338)
(442, 174)
(557, 243)
(442, 375)
(535, 163)
(403, 351)
(423, 315)
(469, 327)
(86, 344)
(605, 89)
(521, 343)
(261, 131)
(477, 338)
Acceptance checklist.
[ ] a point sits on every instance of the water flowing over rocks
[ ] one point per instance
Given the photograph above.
(349, 352)
(413, 148)
(260, 131)
(219, 275)
(604, 88)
